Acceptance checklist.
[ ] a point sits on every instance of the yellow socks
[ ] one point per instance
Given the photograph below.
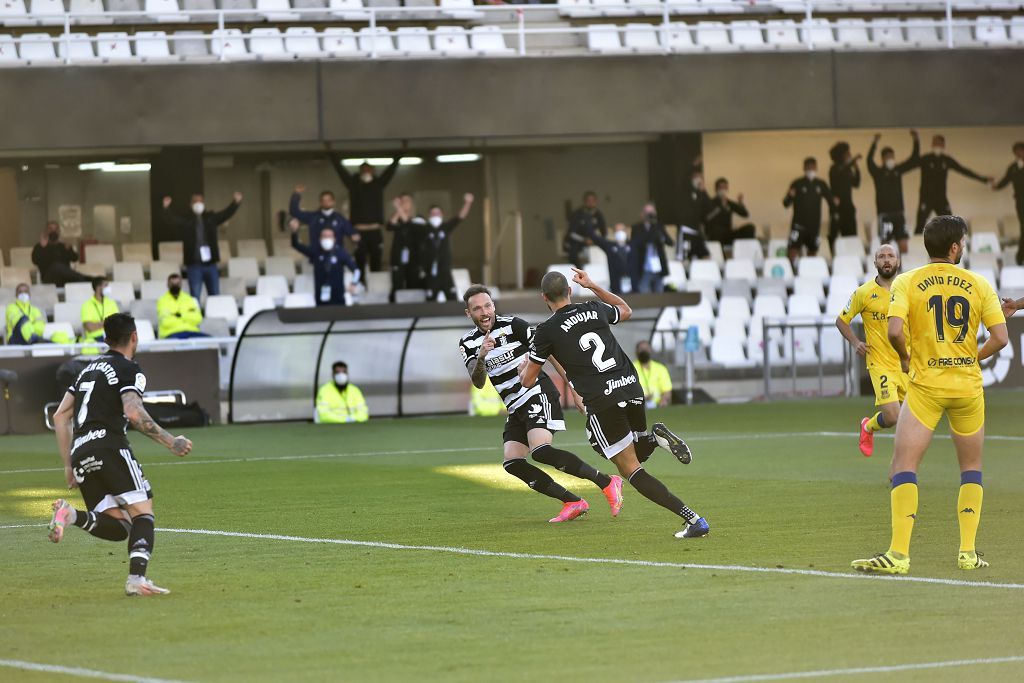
(904, 511)
(876, 422)
(968, 508)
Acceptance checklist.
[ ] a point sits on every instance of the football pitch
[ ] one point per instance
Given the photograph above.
(399, 550)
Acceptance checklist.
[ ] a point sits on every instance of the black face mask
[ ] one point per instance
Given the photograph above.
(54, 236)
(643, 356)
(175, 290)
(651, 216)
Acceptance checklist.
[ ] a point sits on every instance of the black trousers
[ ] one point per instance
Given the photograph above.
(1020, 219)
(370, 250)
(61, 273)
(843, 223)
(727, 237)
(929, 205)
(404, 277)
(441, 282)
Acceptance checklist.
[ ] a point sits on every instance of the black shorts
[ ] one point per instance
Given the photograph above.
(543, 411)
(800, 236)
(110, 478)
(892, 227)
(611, 430)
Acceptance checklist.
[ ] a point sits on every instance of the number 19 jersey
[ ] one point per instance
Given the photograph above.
(579, 337)
(942, 306)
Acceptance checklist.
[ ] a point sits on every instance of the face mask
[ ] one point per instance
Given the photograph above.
(175, 290)
(1020, 163)
(937, 151)
(890, 164)
(651, 216)
(341, 378)
(811, 175)
(436, 221)
(643, 356)
(327, 212)
(327, 244)
(24, 297)
(722, 194)
(620, 237)
(697, 183)
(54, 236)
(366, 177)
(106, 291)
(198, 208)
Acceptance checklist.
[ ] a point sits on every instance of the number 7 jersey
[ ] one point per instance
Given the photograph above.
(942, 306)
(99, 419)
(579, 337)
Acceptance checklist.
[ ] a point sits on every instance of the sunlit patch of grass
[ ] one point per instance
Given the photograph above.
(33, 503)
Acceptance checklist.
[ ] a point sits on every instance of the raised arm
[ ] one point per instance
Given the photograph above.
(171, 218)
(964, 171)
(295, 207)
(872, 166)
(478, 367)
(62, 425)
(581, 278)
(298, 246)
(140, 420)
(389, 172)
(228, 211)
(347, 178)
(914, 160)
(467, 204)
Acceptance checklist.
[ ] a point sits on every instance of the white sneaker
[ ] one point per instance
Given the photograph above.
(140, 585)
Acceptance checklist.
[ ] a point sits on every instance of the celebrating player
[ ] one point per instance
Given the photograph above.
(96, 412)
(579, 336)
(495, 347)
(871, 302)
(942, 306)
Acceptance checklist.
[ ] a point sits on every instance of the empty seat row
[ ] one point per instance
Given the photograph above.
(782, 34)
(627, 8)
(263, 43)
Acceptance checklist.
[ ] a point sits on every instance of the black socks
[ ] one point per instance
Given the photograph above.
(536, 479)
(102, 526)
(140, 544)
(644, 446)
(567, 462)
(656, 492)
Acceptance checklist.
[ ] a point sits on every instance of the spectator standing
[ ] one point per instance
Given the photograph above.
(892, 221)
(26, 324)
(408, 232)
(339, 401)
(805, 195)
(617, 252)
(366, 208)
(329, 260)
(1015, 175)
(654, 377)
(692, 228)
(647, 250)
(584, 222)
(53, 258)
(324, 217)
(178, 314)
(720, 210)
(199, 230)
(437, 249)
(843, 177)
(935, 168)
(96, 309)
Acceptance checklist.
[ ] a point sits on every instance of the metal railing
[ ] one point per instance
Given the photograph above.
(788, 328)
(515, 25)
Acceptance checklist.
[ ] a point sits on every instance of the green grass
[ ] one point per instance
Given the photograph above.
(269, 610)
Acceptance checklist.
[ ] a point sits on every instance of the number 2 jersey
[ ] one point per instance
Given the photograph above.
(579, 336)
(99, 412)
(942, 306)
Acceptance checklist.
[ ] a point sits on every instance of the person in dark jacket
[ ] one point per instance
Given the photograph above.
(843, 177)
(718, 216)
(805, 195)
(892, 221)
(53, 258)
(408, 232)
(324, 217)
(692, 229)
(198, 231)
(436, 252)
(583, 222)
(647, 251)
(935, 168)
(329, 260)
(617, 252)
(366, 208)
(1015, 175)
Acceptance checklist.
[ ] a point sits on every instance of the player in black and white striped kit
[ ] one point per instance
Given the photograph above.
(580, 337)
(495, 348)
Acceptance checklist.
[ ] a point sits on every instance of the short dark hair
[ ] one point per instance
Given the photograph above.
(1018, 145)
(338, 364)
(939, 137)
(97, 281)
(838, 151)
(327, 193)
(589, 193)
(171, 276)
(118, 328)
(721, 181)
(810, 160)
(888, 150)
(472, 291)
(554, 286)
(941, 233)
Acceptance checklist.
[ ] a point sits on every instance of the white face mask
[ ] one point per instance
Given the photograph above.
(341, 378)
(1020, 163)
(327, 243)
(938, 151)
(327, 212)
(620, 237)
(697, 183)
(811, 175)
(722, 194)
(24, 297)
(198, 208)
(890, 164)
(366, 177)
(106, 290)
(435, 221)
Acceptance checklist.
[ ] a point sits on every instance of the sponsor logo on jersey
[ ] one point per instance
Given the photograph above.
(91, 435)
(498, 361)
(961, 361)
(613, 384)
(575, 318)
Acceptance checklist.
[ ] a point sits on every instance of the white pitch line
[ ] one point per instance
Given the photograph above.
(599, 560)
(81, 673)
(437, 451)
(825, 673)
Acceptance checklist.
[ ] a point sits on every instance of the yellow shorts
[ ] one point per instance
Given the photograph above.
(890, 385)
(966, 414)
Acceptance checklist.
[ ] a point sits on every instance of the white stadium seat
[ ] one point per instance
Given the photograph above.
(819, 32)
(1017, 30)
(413, 40)
(283, 266)
(37, 47)
(69, 312)
(129, 271)
(712, 35)
(14, 13)
(803, 306)
(740, 269)
(301, 40)
(603, 38)
(165, 11)
(340, 41)
(488, 40)
(680, 38)
(810, 286)
(302, 300)
(254, 304)
(153, 289)
(728, 351)
(705, 271)
(923, 33)
(8, 49)
(228, 42)
(734, 308)
(849, 246)
(272, 286)
(992, 31)
(94, 11)
(173, 251)
(190, 44)
(376, 40)
(782, 34)
(144, 328)
(276, 10)
(222, 306)
(747, 35)
(749, 249)
(641, 38)
(152, 45)
(813, 266)
(461, 9)
(160, 270)
(77, 48)
(1012, 277)
(48, 12)
(140, 252)
(77, 292)
(778, 268)
(245, 268)
(266, 43)
(848, 265)
(451, 40)
(348, 10)
(887, 33)
(853, 33)
(715, 252)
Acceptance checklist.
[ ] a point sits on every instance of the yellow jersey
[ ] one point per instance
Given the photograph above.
(942, 306)
(871, 302)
